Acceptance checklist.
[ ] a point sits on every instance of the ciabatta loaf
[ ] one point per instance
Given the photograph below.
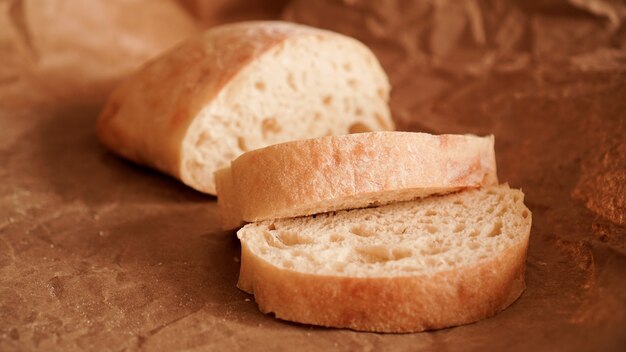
(239, 87)
(351, 171)
(404, 267)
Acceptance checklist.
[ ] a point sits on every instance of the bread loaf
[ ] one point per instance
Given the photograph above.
(351, 171)
(240, 87)
(404, 267)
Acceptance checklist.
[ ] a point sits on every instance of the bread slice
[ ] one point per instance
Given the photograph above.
(404, 267)
(240, 87)
(352, 171)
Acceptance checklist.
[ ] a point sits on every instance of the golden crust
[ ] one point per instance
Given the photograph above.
(352, 171)
(388, 304)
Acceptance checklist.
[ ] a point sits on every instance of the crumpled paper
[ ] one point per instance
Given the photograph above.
(97, 253)
(213, 12)
(57, 49)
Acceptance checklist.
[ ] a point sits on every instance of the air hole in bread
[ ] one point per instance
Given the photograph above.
(459, 228)
(373, 203)
(399, 230)
(381, 254)
(202, 139)
(327, 100)
(473, 233)
(270, 126)
(335, 237)
(260, 86)
(319, 37)
(273, 241)
(431, 229)
(457, 202)
(347, 67)
(381, 93)
(339, 267)
(358, 112)
(287, 264)
(434, 249)
(237, 108)
(431, 262)
(291, 82)
(194, 165)
(525, 214)
(400, 253)
(382, 121)
(430, 212)
(359, 127)
(306, 255)
(272, 227)
(495, 229)
(292, 238)
(241, 143)
(362, 231)
(352, 83)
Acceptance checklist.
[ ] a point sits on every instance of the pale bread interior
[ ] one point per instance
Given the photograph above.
(421, 237)
(310, 86)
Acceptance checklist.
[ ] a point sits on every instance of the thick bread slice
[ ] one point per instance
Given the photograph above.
(352, 171)
(240, 87)
(405, 267)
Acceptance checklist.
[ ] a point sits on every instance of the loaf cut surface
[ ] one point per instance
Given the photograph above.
(352, 171)
(240, 87)
(404, 267)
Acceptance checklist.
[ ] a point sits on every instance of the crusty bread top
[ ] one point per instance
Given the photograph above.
(148, 118)
(424, 264)
(351, 171)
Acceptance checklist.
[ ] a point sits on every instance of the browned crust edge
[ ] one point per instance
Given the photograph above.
(311, 176)
(394, 304)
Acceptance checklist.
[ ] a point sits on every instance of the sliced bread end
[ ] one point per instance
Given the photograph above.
(404, 267)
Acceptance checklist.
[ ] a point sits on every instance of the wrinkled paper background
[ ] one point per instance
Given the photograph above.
(97, 253)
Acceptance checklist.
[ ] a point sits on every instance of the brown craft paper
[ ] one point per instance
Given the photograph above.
(68, 50)
(97, 253)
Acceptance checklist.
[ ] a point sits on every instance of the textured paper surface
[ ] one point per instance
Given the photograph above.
(99, 254)
(68, 50)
